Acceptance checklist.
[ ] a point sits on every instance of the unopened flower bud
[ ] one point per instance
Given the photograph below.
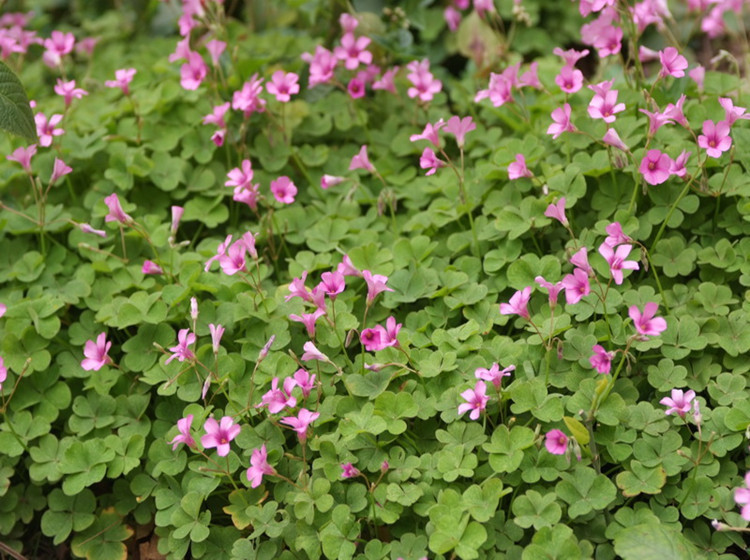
(194, 310)
(264, 351)
(384, 466)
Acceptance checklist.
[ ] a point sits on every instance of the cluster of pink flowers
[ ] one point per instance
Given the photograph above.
(380, 337)
(231, 256)
(477, 398)
(500, 90)
(457, 126)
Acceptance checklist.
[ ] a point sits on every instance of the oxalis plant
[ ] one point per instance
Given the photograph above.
(375, 280)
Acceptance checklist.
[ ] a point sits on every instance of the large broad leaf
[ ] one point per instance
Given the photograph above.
(649, 542)
(15, 112)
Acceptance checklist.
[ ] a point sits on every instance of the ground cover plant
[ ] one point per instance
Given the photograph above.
(316, 279)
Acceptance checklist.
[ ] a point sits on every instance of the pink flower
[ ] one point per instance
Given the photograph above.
(387, 81)
(518, 304)
(698, 75)
(277, 399)
(556, 442)
(731, 113)
(552, 289)
(371, 340)
(459, 127)
(348, 22)
(430, 133)
(3, 372)
(305, 381)
(96, 353)
(333, 283)
(312, 353)
(322, 65)
(116, 213)
(182, 351)
(183, 425)
(217, 331)
(580, 259)
(655, 167)
(518, 168)
(557, 211)
(500, 87)
(656, 120)
(494, 375)
(678, 166)
(645, 323)
(349, 471)
(150, 267)
(361, 161)
(309, 320)
(615, 235)
(248, 98)
(428, 160)
(232, 260)
(284, 190)
(601, 360)
(680, 402)
(424, 84)
(216, 116)
(452, 17)
(576, 286)
(356, 88)
(672, 63)
(59, 169)
(530, 78)
(69, 91)
(122, 80)
(215, 48)
(390, 332)
(742, 497)
(715, 138)
(220, 252)
(616, 260)
(347, 268)
(328, 181)
(569, 79)
(240, 177)
(219, 435)
(298, 289)
(562, 123)
(177, 212)
(604, 103)
(23, 156)
(46, 129)
(86, 228)
(301, 422)
(571, 56)
(259, 466)
(613, 139)
(3, 309)
(193, 72)
(353, 51)
(476, 400)
(58, 45)
(376, 283)
(283, 85)
(675, 112)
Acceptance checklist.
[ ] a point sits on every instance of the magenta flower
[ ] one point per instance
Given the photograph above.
(96, 353)
(328, 181)
(232, 260)
(215, 48)
(122, 80)
(517, 304)
(86, 228)
(655, 167)
(347, 268)
(46, 129)
(333, 283)
(476, 400)
(259, 466)
(452, 18)
(376, 283)
(459, 128)
(387, 81)
(361, 161)
(571, 56)
(494, 375)
(569, 79)
(604, 103)
(715, 138)
(356, 88)
(219, 435)
(216, 116)
(150, 267)
(248, 98)
(552, 289)
(679, 164)
(556, 211)
(698, 75)
(284, 190)
(309, 320)
(672, 63)
(613, 139)
(349, 471)
(301, 422)
(348, 22)
(240, 177)
(731, 113)
(562, 123)
(312, 353)
(322, 65)
(530, 78)
(645, 323)
(518, 168)
(675, 112)
(428, 160)
(58, 45)
(680, 402)
(177, 212)
(371, 340)
(601, 360)
(556, 442)
(116, 213)
(500, 88)
(193, 72)
(353, 51)
(742, 497)
(69, 91)
(576, 286)
(23, 156)
(183, 425)
(430, 133)
(616, 260)
(424, 84)
(283, 85)
(217, 331)
(615, 235)
(59, 169)
(182, 351)
(3, 309)
(305, 381)
(276, 399)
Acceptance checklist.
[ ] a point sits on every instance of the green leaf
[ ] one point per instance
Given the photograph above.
(533, 509)
(506, 447)
(15, 113)
(641, 480)
(104, 539)
(654, 542)
(585, 491)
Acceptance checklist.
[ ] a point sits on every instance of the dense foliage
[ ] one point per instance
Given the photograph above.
(307, 279)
